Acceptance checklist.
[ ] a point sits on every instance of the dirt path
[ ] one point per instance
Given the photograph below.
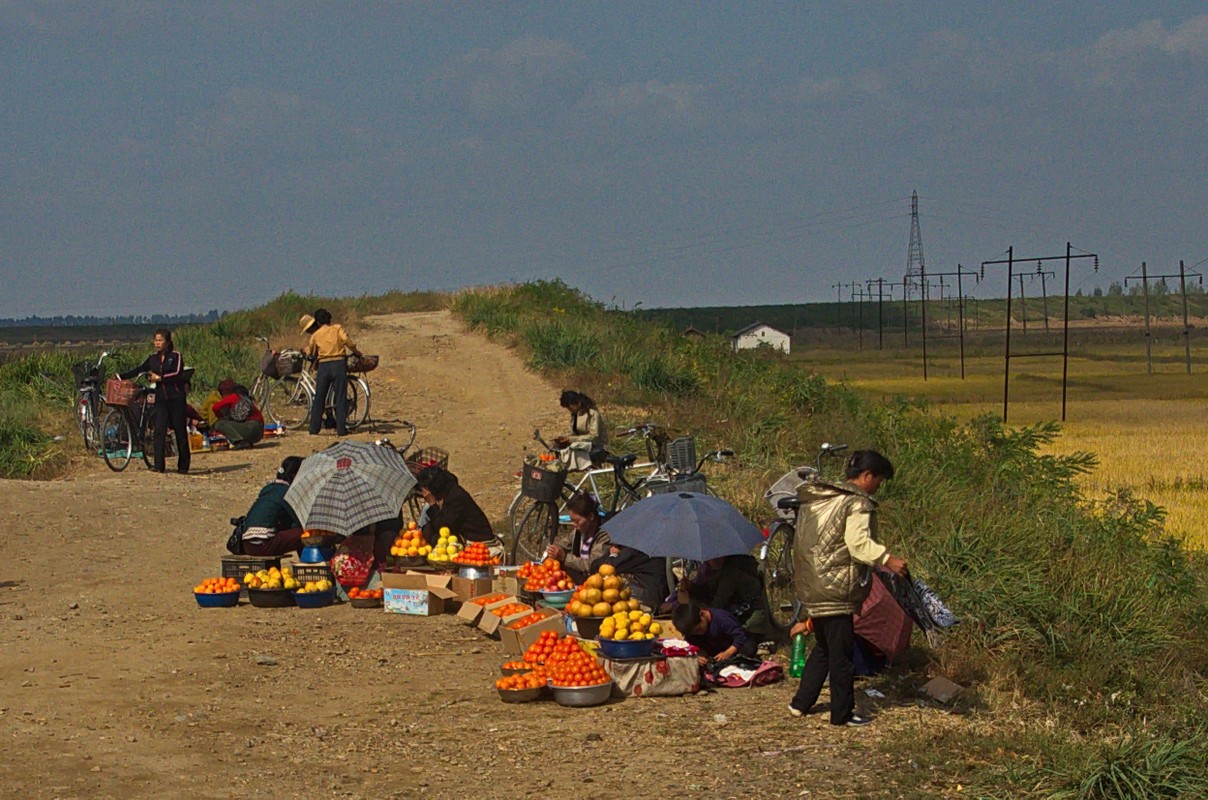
(116, 685)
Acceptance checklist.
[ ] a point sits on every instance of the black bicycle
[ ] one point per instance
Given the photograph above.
(775, 555)
(129, 428)
(90, 401)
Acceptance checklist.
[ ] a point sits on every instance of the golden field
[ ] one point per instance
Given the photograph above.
(1149, 432)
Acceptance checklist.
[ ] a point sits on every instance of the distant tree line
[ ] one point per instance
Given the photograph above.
(72, 320)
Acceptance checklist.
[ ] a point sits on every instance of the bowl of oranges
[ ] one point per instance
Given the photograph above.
(365, 598)
(523, 687)
(217, 593)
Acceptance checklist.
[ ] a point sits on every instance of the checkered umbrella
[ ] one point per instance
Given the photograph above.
(348, 486)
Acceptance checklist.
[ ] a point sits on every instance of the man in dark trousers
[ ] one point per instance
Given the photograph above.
(833, 555)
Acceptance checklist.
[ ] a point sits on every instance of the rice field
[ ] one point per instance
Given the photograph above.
(1148, 431)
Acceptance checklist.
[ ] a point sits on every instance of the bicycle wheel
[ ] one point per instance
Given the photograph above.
(117, 444)
(354, 414)
(358, 402)
(536, 532)
(148, 443)
(289, 402)
(516, 511)
(777, 568)
(86, 420)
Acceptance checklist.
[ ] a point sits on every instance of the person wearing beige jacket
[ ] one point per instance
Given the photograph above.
(834, 552)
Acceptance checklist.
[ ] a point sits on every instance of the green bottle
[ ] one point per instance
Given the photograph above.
(797, 657)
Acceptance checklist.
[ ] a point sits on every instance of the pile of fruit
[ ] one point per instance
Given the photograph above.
(520, 665)
(271, 579)
(313, 587)
(565, 649)
(527, 620)
(548, 461)
(476, 554)
(217, 586)
(364, 594)
(541, 649)
(508, 609)
(447, 546)
(629, 625)
(486, 600)
(410, 543)
(545, 576)
(602, 595)
(579, 668)
(533, 679)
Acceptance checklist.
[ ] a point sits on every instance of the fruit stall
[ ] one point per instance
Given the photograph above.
(577, 645)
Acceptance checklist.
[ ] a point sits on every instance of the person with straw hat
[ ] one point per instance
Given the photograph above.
(331, 345)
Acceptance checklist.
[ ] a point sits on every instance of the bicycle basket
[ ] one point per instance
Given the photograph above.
(362, 363)
(268, 364)
(83, 371)
(289, 362)
(542, 485)
(681, 454)
(787, 486)
(119, 392)
(427, 457)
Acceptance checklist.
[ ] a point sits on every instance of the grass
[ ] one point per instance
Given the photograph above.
(1077, 607)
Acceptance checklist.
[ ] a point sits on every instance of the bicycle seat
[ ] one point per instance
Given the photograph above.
(598, 455)
(622, 462)
(787, 503)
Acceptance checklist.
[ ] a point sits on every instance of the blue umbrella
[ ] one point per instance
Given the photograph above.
(684, 525)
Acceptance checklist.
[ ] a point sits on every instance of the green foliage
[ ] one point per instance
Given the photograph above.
(1136, 767)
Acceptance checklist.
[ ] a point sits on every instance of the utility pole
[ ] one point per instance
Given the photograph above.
(1023, 304)
(1044, 294)
(860, 327)
(1182, 275)
(914, 254)
(959, 272)
(1148, 335)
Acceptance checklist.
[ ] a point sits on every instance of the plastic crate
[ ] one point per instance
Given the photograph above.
(305, 573)
(542, 485)
(681, 454)
(238, 566)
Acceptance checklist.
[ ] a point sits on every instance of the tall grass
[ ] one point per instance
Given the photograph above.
(1082, 608)
(37, 393)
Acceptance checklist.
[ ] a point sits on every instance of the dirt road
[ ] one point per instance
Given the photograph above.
(116, 685)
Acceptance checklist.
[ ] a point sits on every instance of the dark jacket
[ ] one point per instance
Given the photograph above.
(647, 576)
(461, 515)
(169, 366)
(271, 511)
(736, 586)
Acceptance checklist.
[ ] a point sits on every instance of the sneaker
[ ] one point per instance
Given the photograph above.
(796, 712)
(858, 721)
(241, 446)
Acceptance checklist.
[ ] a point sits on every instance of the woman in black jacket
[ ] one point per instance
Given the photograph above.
(166, 369)
(450, 506)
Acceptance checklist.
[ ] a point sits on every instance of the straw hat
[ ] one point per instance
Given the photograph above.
(305, 322)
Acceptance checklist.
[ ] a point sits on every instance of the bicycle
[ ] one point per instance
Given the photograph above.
(126, 429)
(292, 394)
(537, 510)
(775, 554)
(417, 461)
(89, 400)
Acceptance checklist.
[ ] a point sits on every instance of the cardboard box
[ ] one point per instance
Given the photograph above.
(507, 582)
(490, 623)
(467, 588)
(416, 593)
(516, 642)
(471, 612)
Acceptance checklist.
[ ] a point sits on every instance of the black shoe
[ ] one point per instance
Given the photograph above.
(858, 721)
(241, 446)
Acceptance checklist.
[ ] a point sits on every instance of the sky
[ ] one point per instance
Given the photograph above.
(172, 157)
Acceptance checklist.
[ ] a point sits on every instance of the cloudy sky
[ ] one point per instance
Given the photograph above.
(179, 156)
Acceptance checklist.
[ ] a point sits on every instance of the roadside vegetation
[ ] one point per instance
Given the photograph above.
(1084, 634)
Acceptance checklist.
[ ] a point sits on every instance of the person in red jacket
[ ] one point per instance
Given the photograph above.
(165, 368)
(238, 418)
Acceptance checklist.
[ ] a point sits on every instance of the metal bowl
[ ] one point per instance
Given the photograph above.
(519, 695)
(474, 573)
(365, 602)
(218, 600)
(626, 648)
(582, 696)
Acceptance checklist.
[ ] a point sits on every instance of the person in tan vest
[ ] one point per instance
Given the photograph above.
(834, 552)
(331, 345)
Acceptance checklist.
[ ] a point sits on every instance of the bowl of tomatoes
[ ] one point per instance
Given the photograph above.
(365, 598)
